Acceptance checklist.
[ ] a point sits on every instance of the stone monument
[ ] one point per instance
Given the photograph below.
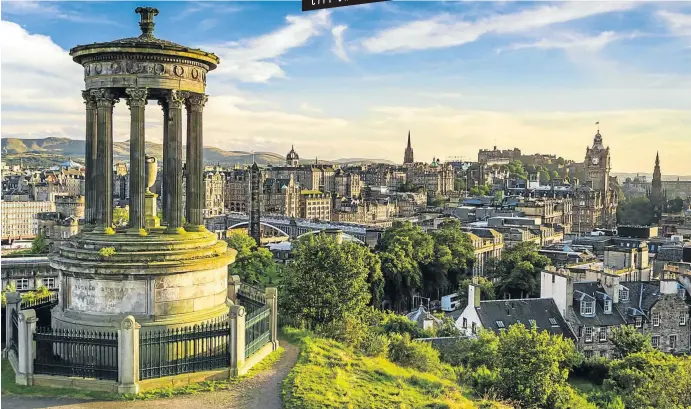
(164, 274)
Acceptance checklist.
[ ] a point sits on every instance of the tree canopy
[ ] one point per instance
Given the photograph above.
(518, 271)
(637, 211)
(254, 265)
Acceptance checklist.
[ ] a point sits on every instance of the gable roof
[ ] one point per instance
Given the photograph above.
(594, 291)
(500, 314)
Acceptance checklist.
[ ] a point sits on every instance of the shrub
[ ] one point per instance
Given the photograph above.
(142, 232)
(595, 370)
(374, 344)
(416, 355)
(106, 251)
(398, 324)
(109, 231)
(482, 380)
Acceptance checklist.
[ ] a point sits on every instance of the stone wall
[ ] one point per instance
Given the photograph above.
(190, 292)
(670, 307)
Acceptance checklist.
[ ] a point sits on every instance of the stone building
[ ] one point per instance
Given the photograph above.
(237, 190)
(20, 218)
(28, 273)
(315, 205)
(214, 193)
(487, 244)
(486, 155)
(408, 157)
(347, 184)
(555, 212)
(436, 178)
(281, 196)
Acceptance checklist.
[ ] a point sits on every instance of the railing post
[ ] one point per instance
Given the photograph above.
(272, 301)
(233, 288)
(236, 318)
(14, 302)
(26, 349)
(128, 355)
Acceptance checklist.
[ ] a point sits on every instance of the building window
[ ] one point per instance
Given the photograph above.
(655, 341)
(624, 294)
(500, 324)
(465, 322)
(603, 354)
(553, 278)
(587, 307)
(639, 322)
(49, 282)
(553, 322)
(22, 284)
(682, 318)
(603, 334)
(672, 341)
(474, 328)
(588, 334)
(588, 354)
(656, 319)
(682, 292)
(608, 306)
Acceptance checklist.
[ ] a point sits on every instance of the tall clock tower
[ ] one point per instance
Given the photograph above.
(597, 164)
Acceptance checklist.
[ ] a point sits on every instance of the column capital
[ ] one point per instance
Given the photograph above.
(175, 99)
(136, 97)
(104, 97)
(195, 102)
(89, 99)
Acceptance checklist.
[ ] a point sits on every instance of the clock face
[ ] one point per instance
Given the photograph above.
(595, 160)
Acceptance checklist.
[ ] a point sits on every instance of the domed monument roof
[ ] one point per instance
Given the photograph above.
(292, 155)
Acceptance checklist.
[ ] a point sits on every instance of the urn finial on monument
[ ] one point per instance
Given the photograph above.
(147, 20)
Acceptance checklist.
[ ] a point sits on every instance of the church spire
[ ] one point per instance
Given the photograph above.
(408, 155)
(409, 147)
(657, 159)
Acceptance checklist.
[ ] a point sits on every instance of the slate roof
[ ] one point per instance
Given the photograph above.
(589, 291)
(642, 296)
(522, 311)
(420, 315)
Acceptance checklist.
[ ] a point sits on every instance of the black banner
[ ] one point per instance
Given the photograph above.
(309, 5)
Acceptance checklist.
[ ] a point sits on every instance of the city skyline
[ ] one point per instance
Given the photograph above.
(460, 76)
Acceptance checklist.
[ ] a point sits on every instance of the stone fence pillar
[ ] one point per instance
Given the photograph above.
(26, 349)
(14, 303)
(272, 302)
(128, 355)
(236, 318)
(233, 288)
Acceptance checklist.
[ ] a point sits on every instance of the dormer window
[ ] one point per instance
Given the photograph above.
(587, 308)
(608, 306)
(681, 292)
(623, 294)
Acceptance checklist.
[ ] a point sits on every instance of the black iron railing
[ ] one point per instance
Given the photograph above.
(182, 350)
(14, 336)
(257, 330)
(76, 353)
(42, 301)
(250, 297)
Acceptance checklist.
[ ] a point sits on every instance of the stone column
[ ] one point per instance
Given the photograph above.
(136, 100)
(233, 288)
(172, 163)
(103, 179)
(164, 202)
(272, 301)
(90, 206)
(128, 355)
(194, 202)
(13, 302)
(236, 317)
(25, 349)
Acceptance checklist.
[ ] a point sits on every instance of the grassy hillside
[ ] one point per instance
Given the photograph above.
(330, 375)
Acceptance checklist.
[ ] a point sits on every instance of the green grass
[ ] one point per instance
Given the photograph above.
(208, 386)
(330, 375)
(583, 385)
(10, 388)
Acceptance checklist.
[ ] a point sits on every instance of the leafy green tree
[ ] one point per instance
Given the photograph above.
(533, 366)
(516, 170)
(627, 340)
(637, 211)
(651, 379)
(486, 290)
(675, 205)
(518, 271)
(479, 190)
(254, 265)
(326, 283)
(39, 245)
(453, 253)
(448, 327)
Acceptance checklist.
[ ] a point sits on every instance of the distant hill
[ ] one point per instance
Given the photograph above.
(362, 161)
(51, 151)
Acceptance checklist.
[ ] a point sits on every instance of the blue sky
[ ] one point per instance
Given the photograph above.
(350, 82)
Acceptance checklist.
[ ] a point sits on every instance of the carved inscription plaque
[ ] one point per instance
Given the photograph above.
(107, 297)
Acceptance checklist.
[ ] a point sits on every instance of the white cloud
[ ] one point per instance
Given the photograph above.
(569, 41)
(678, 24)
(50, 10)
(338, 47)
(445, 30)
(309, 108)
(254, 60)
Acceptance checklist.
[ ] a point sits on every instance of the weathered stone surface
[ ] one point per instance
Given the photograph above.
(104, 296)
(176, 280)
(203, 303)
(174, 307)
(211, 288)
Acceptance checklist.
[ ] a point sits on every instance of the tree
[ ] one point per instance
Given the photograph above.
(253, 265)
(453, 253)
(627, 340)
(651, 379)
(675, 205)
(486, 290)
(533, 366)
(121, 216)
(39, 245)
(516, 170)
(326, 283)
(479, 190)
(518, 271)
(637, 211)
